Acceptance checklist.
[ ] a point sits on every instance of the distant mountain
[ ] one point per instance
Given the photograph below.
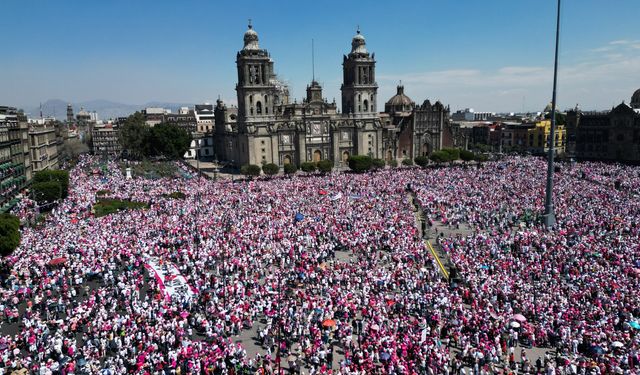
(106, 109)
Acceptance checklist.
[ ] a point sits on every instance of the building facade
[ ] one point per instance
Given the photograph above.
(43, 146)
(267, 128)
(105, 140)
(15, 166)
(606, 135)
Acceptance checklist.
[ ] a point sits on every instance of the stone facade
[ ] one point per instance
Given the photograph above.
(267, 128)
(607, 135)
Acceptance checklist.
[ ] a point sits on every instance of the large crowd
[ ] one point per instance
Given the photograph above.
(329, 269)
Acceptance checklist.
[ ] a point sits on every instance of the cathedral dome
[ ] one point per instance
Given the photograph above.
(635, 99)
(358, 43)
(399, 102)
(251, 39)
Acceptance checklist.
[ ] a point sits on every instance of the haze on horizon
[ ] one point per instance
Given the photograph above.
(491, 56)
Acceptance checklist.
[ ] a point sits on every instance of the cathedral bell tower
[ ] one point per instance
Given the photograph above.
(359, 87)
(256, 80)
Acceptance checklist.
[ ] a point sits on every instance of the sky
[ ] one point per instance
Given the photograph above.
(489, 55)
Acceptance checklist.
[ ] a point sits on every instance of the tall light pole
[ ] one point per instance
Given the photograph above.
(549, 214)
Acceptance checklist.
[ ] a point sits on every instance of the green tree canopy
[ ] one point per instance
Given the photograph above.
(168, 140)
(466, 155)
(270, 169)
(308, 167)
(481, 158)
(360, 163)
(454, 153)
(290, 168)
(393, 163)
(421, 161)
(134, 136)
(9, 234)
(59, 176)
(250, 170)
(407, 162)
(377, 164)
(325, 166)
(440, 157)
(46, 192)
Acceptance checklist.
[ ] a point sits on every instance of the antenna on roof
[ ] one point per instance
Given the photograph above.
(250, 25)
(313, 63)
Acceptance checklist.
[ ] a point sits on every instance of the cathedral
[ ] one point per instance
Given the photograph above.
(267, 128)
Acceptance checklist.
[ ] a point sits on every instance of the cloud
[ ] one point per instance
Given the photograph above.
(596, 81)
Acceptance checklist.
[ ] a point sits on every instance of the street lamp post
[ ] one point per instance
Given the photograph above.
(549, 214)
(196, 235)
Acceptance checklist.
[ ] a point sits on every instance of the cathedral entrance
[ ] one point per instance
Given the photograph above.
(345, 156)
(286, 160)
(317, 156)
(389, 155)
(426, 149)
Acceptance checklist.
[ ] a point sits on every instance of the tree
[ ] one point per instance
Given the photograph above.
(9, 234)
(270, 169)
(58, 176)
(454, 153)
(72, 148)
(377, 164)
(466, 155)
(481, 158)
(325, 166)
(290, 168)
(407, 162)
(360, 163)
(46, 192)
(422, 161)
(393, 163)
(308, 167)
(134, 136)
(250, 170)
(439, 157)
(168, 140)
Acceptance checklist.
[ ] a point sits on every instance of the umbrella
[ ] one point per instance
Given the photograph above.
(617, 344)
(515, 324)
(519, 318)
(57, 261)
(635, 325)
(328, 323)
(384, 356)
(292, 358)
(299, 217)
(184, 314)
(375, 327)
(322, 192)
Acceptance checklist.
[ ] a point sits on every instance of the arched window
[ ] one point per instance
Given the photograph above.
(258, 108)
(250, 99)
(266, 100)
(251, 111)
(366, 105)
(359, 98)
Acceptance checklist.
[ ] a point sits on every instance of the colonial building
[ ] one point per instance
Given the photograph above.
(105, 140)
(267, 128)
(15, 165)
(43, 146)
(606, 135)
